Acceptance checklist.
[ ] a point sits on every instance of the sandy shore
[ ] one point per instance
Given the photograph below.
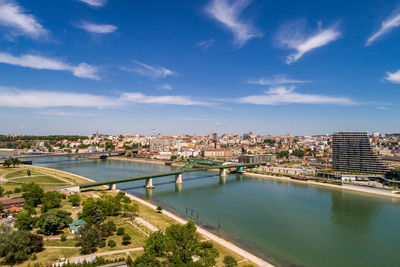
(243, 253)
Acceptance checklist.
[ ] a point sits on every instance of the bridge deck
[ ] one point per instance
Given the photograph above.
(162, 174)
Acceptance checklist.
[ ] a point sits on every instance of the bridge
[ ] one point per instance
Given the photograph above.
(46, 155)
(190, 167)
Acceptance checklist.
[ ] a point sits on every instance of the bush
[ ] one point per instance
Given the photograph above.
(63, 238)
(111, 243)
(17, 190)
(126, 239)
(102, 244)
(230, 261)
(120, 231)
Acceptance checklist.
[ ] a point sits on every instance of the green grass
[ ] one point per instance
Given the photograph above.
(20, 173)
(57, 242)
(39, 179)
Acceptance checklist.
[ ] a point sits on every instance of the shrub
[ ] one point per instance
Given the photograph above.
(120, 231)
(63, 238)
(230, 261)
(111, 243)
(126, 239)
(102, 244)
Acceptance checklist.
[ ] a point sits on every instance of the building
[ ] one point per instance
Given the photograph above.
(217, 153)
(257, 158)
(352, 152)
(12, 202)
(76, 225)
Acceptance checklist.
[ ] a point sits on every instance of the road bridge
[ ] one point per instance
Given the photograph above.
(190, 167)
(46, 155)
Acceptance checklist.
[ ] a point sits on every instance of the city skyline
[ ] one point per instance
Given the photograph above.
(198, 67)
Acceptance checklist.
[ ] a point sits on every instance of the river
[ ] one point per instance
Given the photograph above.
(287, 224)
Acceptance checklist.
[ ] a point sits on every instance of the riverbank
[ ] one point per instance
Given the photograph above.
(353, 188)
(216, 239)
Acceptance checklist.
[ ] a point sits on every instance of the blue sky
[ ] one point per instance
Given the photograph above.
(273, 67)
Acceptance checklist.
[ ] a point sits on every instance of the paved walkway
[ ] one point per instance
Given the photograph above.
(81, 257)
(146, 223)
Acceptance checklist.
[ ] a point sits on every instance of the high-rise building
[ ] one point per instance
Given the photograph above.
(351, 151)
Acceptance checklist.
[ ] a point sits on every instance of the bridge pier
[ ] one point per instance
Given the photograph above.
(112, 187)
(222, 180)
(178, 188)
(222, 172)
(149, 184)
(178, 178)
(239, 170)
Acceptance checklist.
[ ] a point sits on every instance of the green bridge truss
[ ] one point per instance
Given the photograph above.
(184, 169)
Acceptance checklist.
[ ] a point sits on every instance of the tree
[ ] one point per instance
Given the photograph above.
(15, 161)
(7, 163)
(16, 246)
(130, 210)
(33, 194)
(110, 205)
(146, 260)
(111, 243)
(126, 239)
(52, 221)
(230, 261)
(51, 200)
(178, 246)
(24, 220)
(159, 209)
(120, 231)
(92, 213)
(75, 200)
(1, 190)
(88, 238)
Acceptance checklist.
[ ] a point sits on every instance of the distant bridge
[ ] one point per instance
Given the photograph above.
(178, 173)
(46, 155)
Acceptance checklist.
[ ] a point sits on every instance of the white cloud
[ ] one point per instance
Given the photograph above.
(14, 16)
(164, 87)
(206, 44)
(136, 97)
(279, 79)
(94, 3)
(293, 37)
(382, 108)
(149, 71)
(387, 25)
(82, 70)
(97, 28)
(287, 95)
(51, 99)
(228, 13)
(393, 77)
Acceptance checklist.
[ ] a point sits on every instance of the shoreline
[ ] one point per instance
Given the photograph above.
(358, 189)
(219, 240)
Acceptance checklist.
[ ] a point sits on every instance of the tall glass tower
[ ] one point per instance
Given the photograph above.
(351, 151)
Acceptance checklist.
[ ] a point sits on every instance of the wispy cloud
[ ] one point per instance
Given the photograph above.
(387, 25)
(61, 113)
(164, 87)
(97, 28)
(136, 97)
(16, 18)
(149, 71)
(228, 13)
(51, 99)
(278, 79)
(11, 97)
(287, 95)
(393, 77)
(82, 70)
(382, 108)
(294, 36)
(94, 3)
(206, 44)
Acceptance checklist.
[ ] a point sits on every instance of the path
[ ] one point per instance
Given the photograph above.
(146, 223)
(72, 259)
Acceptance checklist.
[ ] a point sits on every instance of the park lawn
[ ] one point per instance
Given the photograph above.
(43, 179)
(52, 172)
(57, 242)
(51, 255)
(4, 170)
(20, 173)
